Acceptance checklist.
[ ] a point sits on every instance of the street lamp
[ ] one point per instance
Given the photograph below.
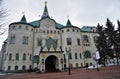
(68, 53)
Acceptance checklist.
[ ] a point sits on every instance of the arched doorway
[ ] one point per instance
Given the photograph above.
(51, 64)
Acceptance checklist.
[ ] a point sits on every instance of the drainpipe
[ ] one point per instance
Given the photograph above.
(33, 47)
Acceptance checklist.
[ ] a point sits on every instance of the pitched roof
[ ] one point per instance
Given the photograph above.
(68, 23)
(36, 24)
(45, 12)
(23, 19)
(87, 28)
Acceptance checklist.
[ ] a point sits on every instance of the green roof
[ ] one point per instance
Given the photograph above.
(23, 19)
(36, 24)
(69, 23)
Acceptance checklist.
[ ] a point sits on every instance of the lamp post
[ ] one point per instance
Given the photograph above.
(68, 53)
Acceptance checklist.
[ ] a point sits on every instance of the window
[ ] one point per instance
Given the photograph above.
(76, 56)
(9, 67)
(26, 27)
(17, 56)
(16, 67)
(85, 38)
(55, 31)
(30, 57)
(10, 56)
(39, 42)
(70, 56)
(81, 65)
(25, 40)
(12, 39)
(69, 41)
(24, 56)
(67, 30)
(23, 67)
(80, 56)
(87, 54)
(73, 30)
(20, 27)
(95, 39)
(13, 27)
(78, 41)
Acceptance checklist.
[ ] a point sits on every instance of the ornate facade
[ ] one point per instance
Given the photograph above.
(47, 45)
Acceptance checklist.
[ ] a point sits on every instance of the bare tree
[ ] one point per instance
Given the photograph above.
(3, 14)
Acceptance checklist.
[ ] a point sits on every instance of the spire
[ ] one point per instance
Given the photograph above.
(23, 19)
(68, 23)
(45, 13)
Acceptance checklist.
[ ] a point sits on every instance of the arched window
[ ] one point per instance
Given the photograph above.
(24, 56)
(23, 67)
(9, 67)
(16, 67)
(87, 54)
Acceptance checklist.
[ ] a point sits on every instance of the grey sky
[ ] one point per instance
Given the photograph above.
(80, 12)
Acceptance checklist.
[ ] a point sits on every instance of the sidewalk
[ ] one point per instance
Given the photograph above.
(112, 72)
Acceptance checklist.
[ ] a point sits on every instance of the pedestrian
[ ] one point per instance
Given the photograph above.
(86, 66)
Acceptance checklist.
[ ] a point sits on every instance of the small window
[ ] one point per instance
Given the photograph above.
(31, 29)
(55, 31)
(9, 67)
(13, 27)
(26, 27)
(68, 30)
(16, 67)
(20, 27)
(73, 30)
(51, 31)
(23, 67)
(58, 32)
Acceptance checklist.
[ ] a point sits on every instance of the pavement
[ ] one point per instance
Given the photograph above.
(111, 72)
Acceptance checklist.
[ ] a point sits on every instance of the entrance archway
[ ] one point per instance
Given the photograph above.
(51, 64)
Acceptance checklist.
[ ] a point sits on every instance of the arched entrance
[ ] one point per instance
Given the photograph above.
(51, 64)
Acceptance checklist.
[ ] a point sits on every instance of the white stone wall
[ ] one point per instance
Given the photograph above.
(19, 47)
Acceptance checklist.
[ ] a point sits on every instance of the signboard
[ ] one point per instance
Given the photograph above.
(97, 55)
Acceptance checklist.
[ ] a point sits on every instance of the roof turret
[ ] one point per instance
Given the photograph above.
(68, 23)
(45, 13)
(23, 19)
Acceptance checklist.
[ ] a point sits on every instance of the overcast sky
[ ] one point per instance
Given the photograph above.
(80, 12)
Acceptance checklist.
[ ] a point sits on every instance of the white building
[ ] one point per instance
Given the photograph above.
(45, 44)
